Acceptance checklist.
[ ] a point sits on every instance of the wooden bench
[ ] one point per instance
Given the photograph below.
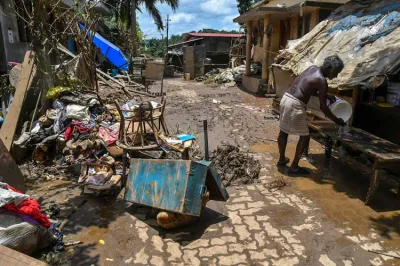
(384, 153)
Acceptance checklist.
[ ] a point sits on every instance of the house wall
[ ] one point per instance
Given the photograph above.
(214, 44)
(275, 38)
(11, 52)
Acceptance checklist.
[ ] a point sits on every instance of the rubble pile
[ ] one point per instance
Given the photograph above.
(235, 166)
(229, 77)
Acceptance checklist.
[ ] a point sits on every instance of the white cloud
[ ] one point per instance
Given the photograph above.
(219, 7)
(201, 26)
(229, 19)
(181, 18)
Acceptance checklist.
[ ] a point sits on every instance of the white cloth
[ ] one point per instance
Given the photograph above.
(8, 196)
(293, 118)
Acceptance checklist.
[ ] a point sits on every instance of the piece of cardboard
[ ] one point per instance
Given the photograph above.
(10, 124)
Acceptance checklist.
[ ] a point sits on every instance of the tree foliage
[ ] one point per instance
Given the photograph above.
(244, 5)
(122, 9)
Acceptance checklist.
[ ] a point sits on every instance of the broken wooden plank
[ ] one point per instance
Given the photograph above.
(11, 257)
(9, 170)
(109, 77)
(24, 82)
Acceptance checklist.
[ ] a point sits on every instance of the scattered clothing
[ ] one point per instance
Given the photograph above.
(28, 207)
(8, 196)
(109, 135)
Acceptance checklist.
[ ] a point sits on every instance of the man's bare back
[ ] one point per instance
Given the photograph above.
(308, 84)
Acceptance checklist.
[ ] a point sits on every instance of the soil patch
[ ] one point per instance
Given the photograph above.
(235, 167)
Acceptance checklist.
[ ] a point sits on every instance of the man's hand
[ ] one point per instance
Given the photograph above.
(340, 122)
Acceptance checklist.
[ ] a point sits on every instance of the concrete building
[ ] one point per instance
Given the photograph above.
(196, 47)
(271, 24)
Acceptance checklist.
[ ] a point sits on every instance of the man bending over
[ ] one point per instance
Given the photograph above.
(293, 118)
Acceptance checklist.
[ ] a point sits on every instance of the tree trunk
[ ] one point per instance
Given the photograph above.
(133, 27)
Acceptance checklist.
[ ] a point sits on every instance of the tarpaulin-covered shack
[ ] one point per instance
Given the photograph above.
(366, 36)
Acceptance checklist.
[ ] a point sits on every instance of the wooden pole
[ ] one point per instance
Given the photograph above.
(266, 45)
(248, 47)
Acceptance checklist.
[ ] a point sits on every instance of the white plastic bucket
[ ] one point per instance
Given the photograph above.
(341, 109)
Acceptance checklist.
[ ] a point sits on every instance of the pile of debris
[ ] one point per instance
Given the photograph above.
(229, 77)
(234, 166)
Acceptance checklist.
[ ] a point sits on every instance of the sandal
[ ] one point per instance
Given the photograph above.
(285, 162)
(300, 171)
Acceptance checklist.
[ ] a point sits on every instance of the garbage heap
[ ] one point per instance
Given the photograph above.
(234, 166)
(76, 129)
(229, 77)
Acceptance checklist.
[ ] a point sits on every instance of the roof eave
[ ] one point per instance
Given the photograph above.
(259, 11)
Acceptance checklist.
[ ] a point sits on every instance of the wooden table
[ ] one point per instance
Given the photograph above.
(384, 153)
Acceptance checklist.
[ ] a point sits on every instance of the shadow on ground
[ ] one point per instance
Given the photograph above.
(387, 226)
(183, 235)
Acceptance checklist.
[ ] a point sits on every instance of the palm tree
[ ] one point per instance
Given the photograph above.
(152, 9)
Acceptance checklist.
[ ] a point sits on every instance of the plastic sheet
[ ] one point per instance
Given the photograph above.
(365, 37)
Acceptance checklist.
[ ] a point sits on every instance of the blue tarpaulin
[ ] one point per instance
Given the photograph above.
(112, 52)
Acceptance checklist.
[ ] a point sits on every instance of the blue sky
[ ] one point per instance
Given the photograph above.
(192, 15)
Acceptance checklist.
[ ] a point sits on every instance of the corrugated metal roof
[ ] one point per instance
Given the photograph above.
(223, 35)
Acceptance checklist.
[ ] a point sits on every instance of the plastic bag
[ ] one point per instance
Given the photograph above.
(56, 91)
(78, 112)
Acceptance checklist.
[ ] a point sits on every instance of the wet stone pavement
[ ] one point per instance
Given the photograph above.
(309, 223)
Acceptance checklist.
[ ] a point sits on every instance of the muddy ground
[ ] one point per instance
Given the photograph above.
(313, 222)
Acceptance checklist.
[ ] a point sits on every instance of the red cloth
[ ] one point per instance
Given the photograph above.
(28, 207)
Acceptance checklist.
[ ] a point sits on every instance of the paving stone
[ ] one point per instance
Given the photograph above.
(241, 199)
(289, 236)
(173, 249)
(128, 261)
(235, 207)
(157, 261)
(235, 218)
(241, 230)
(241, 247)
(141, 257)
(326, 261)
(157, 243)
(227, 230)
(198, 243)
(244, 193)
(212, 251)
(233, 259)
(308, 227)
(258, 204)
(262, 218)
(298, 249)
(263, 254)
(348, 263)
(252, 223)
(261, 239)
(285, 261)
(190, 258)
(250, 211)
(271, 231)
